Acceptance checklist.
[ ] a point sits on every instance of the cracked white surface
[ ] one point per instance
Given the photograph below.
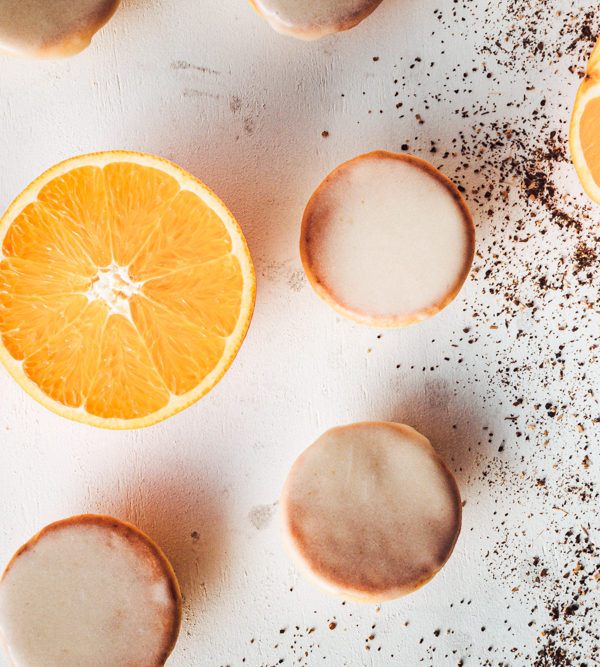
(212, 87)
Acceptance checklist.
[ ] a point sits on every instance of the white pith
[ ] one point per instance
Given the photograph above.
(114, 286)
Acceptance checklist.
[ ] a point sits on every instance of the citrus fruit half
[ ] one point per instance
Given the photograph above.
(126, 289)
(584, 134)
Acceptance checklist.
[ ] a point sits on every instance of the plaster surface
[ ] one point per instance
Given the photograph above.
(503, 381)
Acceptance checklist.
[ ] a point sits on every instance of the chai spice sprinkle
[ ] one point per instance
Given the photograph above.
(532, 313)
(520, 363)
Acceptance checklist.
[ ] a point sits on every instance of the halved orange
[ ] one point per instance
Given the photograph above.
(584, 134)
(126, 289)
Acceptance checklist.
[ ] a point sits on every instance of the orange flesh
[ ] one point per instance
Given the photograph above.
(590, 137)
(180, 299)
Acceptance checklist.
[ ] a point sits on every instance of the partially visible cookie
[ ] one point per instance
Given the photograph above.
(312, 19)
(387, 240)
(370, 512)
(89, 590)
(51, 28)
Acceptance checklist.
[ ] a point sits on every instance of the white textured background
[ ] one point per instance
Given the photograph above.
(211, 87)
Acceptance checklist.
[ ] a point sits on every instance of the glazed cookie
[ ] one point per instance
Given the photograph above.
(370, 512)
(387, 240)
(51, 28)
(89, 590)
(312, 19)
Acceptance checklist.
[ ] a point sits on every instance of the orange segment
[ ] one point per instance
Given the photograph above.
(209, 294)
(126, 289)
(584, 132)
(41, 235)
(127, 384)
(589, 129)
(174, 246)
(183, 354)
(135, 194)
(25, 278)
(65, 367)
(78, 200)
(27, 323)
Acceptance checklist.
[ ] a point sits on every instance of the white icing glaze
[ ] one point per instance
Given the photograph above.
(370, 511)
(87, 594)
(388, 238)
(50, 28)
(311, 19)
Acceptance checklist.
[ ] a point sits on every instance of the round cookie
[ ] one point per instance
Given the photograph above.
(370, 512)
(89, 590)
(387, 240)
(51, 28)
(312, 19)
